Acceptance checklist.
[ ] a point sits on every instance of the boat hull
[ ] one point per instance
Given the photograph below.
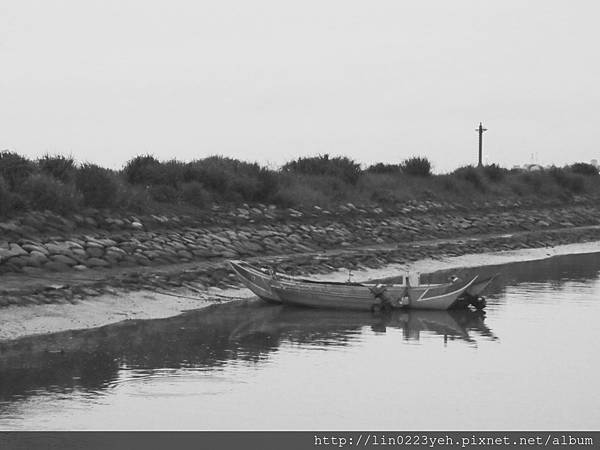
(255, 280)
(364, 297)
(479, 286)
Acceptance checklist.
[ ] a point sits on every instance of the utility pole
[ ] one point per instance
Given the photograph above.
(480, 129)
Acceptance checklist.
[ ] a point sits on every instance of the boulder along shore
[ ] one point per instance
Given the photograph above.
(60, 273)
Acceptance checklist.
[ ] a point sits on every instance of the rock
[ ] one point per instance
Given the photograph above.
(91, 222)
(97, 262)
(185, 254)
(56, 266)
(253, 247)
(9, 226)
(80, 267)
(64, 260)
(94, 252)
(35, 248)
(58, 249)
(16, 249)
(89, 291)
(126, 263)
(79, 255)
(142, 260)
(37, 258)
(12, 251)
(20, 261)
(106, 242)
(112, 258)
(74, 245)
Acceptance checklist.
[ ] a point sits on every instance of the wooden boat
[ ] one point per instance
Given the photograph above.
(257, 280)
(278, 288)
(361, 296)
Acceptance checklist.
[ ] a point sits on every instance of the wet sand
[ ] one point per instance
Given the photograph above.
(19, 321)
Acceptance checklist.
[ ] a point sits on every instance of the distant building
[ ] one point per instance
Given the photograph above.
(532, 167)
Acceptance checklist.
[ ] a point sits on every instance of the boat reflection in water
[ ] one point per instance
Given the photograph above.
(90, 360)
(307, 326)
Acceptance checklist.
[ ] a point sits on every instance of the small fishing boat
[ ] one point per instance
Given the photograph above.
(278, 288)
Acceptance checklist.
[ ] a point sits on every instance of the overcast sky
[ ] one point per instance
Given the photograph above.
(271, 80)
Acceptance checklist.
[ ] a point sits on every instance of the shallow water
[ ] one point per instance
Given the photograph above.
(530, 362)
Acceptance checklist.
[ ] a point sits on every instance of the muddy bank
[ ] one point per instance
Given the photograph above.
(128, 303)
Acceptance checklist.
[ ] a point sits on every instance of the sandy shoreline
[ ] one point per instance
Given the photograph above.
(17, 321)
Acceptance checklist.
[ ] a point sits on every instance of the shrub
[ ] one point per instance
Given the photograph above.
(417, 166)
(5, 197)
(259, 187)
(268, 182)
(584, 169)
(571, 181)
(294, 194)
(60, 167)
(340, 167)
(233, 180)
(195, 194)
(243, 189)
(577, 184)
(449, 183)
(211, 173)
(42, 191)
(163, 193)
(494, 172)
(382, 168)
(98, 186)
(533, 179)
(472, 175)
(132, 197)
(141, 169)
(14, 168)
(169, 173)
(386, 196)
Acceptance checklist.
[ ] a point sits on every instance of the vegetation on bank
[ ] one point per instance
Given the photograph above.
(145, 184)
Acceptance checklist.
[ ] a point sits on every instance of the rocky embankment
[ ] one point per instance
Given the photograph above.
(97, 251)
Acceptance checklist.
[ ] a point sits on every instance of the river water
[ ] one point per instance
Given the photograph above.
(530, 362)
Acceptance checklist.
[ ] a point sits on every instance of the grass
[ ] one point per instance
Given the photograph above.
(146, 184)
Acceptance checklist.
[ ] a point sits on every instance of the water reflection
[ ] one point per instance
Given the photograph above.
(89, 360)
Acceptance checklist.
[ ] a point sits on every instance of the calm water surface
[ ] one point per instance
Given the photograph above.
(530, 362)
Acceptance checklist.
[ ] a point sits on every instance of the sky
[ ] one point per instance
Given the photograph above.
(272, 80)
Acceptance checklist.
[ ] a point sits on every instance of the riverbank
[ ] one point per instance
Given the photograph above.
(89, 270)
(122, 303)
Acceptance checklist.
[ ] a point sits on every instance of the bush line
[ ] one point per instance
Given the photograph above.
(145, 184)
